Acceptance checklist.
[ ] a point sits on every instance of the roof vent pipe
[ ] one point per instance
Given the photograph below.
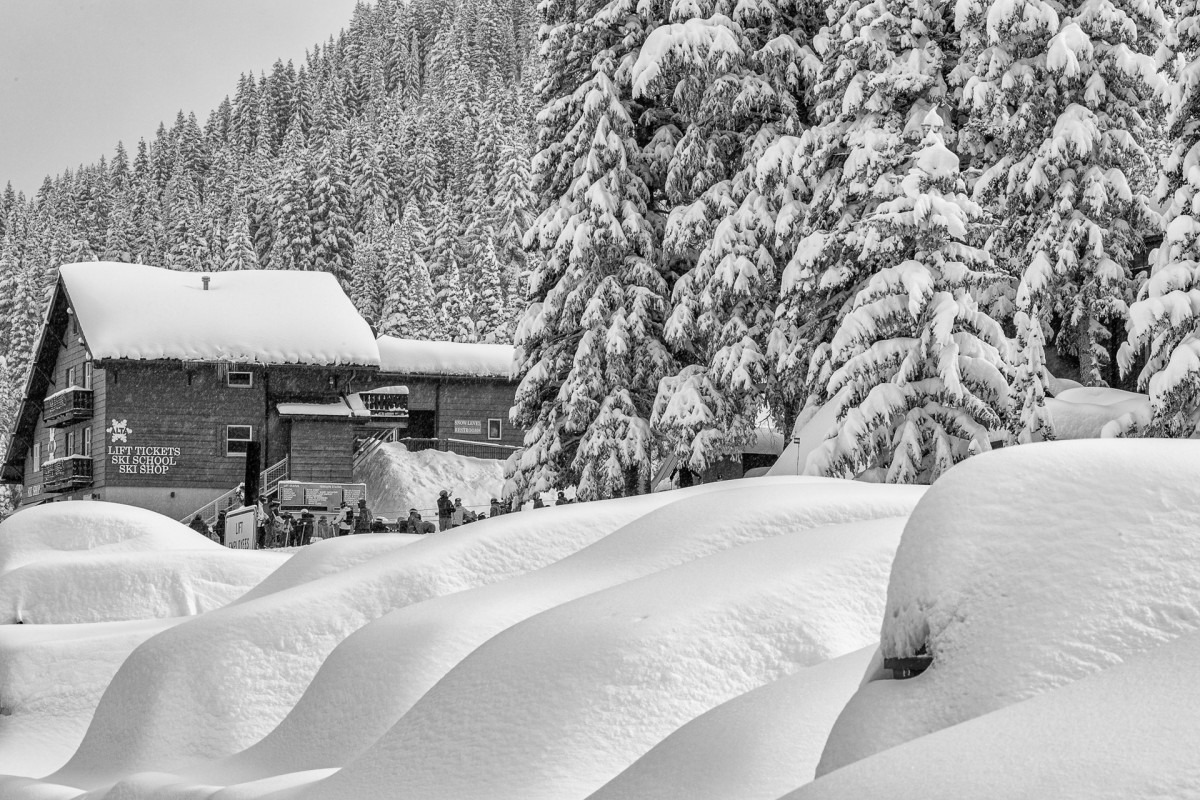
(205, 279)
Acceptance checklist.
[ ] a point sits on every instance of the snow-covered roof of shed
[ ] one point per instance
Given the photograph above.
(135, 311)
(419, 357)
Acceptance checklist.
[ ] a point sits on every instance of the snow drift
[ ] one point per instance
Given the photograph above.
(1096, 563)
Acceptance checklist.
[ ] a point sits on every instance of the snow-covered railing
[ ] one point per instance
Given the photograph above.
(268, 480)
(69, 405)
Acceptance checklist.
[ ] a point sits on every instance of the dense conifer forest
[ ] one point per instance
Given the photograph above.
(694, 215)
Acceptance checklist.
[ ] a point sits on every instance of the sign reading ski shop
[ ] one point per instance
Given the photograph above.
(128, 458)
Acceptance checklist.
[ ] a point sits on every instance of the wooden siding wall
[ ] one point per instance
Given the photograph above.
(185, 408)
(71, 353)
(461, 399)
(328, 453)
(477, 400)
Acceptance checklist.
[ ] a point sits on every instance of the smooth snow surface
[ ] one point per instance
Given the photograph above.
(1127, 733)
(245, 316)
(754, 747)
(398, 480)
(1082, 412)
(1095, 563)
(420, 357)
(53, 530)
(538, 654)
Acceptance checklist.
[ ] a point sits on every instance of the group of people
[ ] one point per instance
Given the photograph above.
(278, 528)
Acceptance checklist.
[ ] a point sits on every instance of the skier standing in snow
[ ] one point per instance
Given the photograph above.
(458, 514)
(495, 510)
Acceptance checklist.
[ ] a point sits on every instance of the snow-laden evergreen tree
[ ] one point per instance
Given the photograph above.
(916, 371)
(410, 308)
(1028, 419)
(882, 72)
(590, 350)
(330, 212)
(1164, 323)
(1057, 95)
(368, 287)
(239, 250)
(736, 82)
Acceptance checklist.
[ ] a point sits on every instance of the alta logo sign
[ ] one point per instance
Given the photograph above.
(120, 430)
(138, 459)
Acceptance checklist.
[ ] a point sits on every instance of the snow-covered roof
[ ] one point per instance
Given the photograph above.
(251, 317)
(418, 357)
(338, 409)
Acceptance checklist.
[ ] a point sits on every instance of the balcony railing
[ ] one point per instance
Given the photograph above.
(66, 474)
(386, 406)
(70, 405)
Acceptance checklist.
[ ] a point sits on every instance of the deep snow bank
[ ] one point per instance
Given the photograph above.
(220, 681)
(398, 480)
(1127, 733)
(105, 587)
(391, 662)
(555, 706)
(45, 532)
(754, 747)
(51, 679)
(1025, 569)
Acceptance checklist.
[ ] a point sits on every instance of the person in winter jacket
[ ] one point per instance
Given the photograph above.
(362, 518)
(344, 520)
(459, 514)
(308, 521)
(198, 526)
(537, 501)
(495, 510)
(445, 510)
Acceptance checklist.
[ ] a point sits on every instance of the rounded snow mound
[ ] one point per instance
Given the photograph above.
(108, 587)
(55, 529)
(1026, 569)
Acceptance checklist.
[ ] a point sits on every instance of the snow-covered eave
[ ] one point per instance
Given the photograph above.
(442, 376)
(112, 361)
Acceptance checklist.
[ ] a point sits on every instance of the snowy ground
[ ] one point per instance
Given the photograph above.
(715, 643)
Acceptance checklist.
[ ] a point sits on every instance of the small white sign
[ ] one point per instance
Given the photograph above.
(473, 427)
(240, 529)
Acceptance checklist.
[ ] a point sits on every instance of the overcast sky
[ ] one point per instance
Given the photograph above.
(77, 76)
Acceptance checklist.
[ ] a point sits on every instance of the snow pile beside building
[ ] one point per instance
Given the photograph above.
(398, 480)
(1024, 570)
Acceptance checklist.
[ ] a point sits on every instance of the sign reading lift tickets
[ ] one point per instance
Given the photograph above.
(240, 529)
(296, 495)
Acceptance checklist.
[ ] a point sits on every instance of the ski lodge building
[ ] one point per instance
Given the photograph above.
(148, 385)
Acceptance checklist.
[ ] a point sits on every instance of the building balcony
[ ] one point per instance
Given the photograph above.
(68, 406)
(385, 405)
(67, 474)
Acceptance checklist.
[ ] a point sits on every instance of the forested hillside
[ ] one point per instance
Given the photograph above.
(396, 157)
(687, 213)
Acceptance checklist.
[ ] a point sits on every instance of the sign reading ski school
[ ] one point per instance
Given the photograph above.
(133, 459)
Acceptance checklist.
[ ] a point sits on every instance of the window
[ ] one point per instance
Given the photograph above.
(240, 380)
(72, 440)
(70, 376)
(37, 456)
(237, 438)
(86, 448)
(87, 374)
(493, 429)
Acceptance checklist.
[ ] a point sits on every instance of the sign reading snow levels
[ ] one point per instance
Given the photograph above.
(138, 459)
